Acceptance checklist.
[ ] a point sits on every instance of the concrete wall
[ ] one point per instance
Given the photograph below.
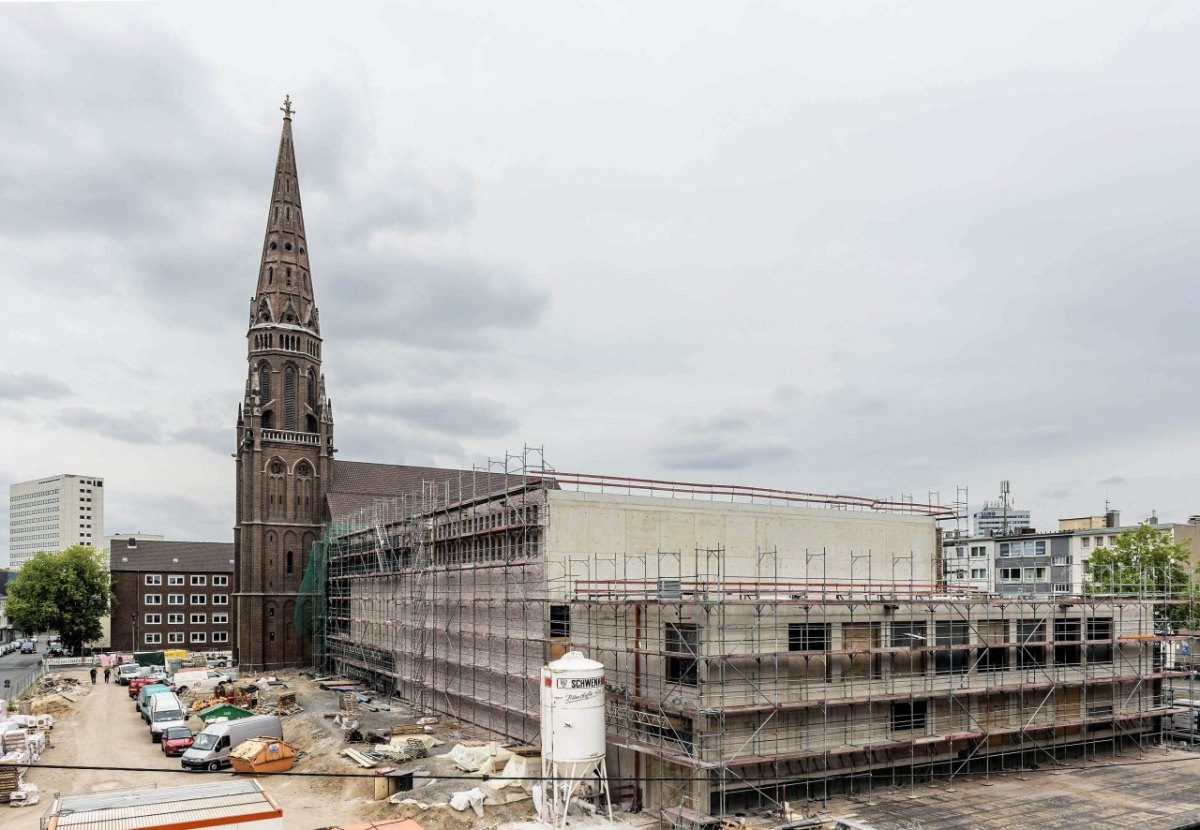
(601, 536)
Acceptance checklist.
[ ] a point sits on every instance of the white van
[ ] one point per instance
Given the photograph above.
(128, 671)
(211, 748)
(200, 679)
(165, 711)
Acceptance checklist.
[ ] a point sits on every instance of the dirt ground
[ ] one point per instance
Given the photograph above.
(102, 729)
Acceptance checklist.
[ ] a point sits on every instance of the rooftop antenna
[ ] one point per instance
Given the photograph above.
(1004, 503)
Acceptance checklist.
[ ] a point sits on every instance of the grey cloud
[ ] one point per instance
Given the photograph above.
(17, 386)
(386, 441)
(219, 439)
(1112, 480)
(450, 414)
(134, 427)
(445, 305)
(716, 453)
(173, 516)
(1055, 494)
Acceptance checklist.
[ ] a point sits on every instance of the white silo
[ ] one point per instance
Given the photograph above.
(573, 744)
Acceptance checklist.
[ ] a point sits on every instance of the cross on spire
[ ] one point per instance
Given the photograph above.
(286, 109)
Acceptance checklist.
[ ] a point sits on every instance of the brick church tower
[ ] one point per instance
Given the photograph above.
(284, 433)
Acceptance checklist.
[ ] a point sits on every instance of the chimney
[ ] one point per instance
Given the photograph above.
(1112, 518)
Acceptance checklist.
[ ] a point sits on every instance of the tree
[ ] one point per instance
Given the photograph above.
(68, 592)
(1145, 561)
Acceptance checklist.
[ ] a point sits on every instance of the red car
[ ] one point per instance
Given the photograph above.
(176, 740)
(137, 683)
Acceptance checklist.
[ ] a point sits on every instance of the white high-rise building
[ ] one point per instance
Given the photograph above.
(996, 519)
(54, 513)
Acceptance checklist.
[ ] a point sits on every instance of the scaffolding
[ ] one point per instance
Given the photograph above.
(737, 679)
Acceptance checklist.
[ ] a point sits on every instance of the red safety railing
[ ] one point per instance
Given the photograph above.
(740, 492)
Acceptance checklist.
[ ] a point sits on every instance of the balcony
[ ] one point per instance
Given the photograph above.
(288, 436)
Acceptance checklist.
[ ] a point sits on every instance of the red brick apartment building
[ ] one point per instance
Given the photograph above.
(172, 595)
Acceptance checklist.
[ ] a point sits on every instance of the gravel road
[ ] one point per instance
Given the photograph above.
(104, 730)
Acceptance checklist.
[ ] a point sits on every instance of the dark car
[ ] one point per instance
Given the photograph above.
(176, 740)
(29, 647)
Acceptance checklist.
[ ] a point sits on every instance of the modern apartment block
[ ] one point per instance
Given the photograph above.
(968, 561)
(172, 595)
(53, 513)
(1058, 562)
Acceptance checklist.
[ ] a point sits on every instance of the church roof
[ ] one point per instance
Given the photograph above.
(359, 484)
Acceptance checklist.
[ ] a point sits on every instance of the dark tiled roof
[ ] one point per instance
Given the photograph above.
(166, 556)
(359, 484)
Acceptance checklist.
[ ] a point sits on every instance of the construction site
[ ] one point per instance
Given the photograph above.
(760, 646)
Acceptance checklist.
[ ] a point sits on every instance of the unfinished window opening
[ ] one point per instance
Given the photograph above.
(1031, 636)
(956, 660)
(1067, 649)
(909, 714)
(681, 642)
(289, 561)
(914, 637)
(808, 636)
(560, 621)
(1101, 629)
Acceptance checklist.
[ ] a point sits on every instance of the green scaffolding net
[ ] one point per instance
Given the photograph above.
(312, 606)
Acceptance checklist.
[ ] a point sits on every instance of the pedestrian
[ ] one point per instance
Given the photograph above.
(93, 675)
(107, 673)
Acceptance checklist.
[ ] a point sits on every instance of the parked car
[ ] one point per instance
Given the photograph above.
(177, 740)
(136, 685)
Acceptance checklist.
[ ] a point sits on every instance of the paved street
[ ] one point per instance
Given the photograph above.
(15, 666)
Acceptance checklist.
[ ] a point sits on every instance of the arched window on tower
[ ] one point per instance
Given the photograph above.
(276, 488)
(264, 382)
(312, 390)
(289, 397)
(290, 563)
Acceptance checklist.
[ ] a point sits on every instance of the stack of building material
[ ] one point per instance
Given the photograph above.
(14, 758)
(25, 795)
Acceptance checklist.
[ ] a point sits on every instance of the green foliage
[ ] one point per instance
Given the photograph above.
(68, 592)
(1145, 561)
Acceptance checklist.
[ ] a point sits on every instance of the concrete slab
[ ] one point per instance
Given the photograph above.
(1160, 791)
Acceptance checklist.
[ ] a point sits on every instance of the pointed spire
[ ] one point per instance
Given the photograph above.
(284, 274)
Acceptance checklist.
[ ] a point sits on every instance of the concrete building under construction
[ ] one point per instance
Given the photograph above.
(759, 645)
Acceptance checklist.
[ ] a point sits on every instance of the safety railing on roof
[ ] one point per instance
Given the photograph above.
(740, 493)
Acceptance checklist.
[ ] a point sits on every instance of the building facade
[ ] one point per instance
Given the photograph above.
(49, 514)
(284, 434)
(997, 519)
(967, 561)
(172, 595)
(752, 652)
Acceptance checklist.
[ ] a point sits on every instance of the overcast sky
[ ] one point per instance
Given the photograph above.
(835, 247)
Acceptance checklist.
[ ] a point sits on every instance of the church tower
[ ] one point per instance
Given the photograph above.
(284, 434)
